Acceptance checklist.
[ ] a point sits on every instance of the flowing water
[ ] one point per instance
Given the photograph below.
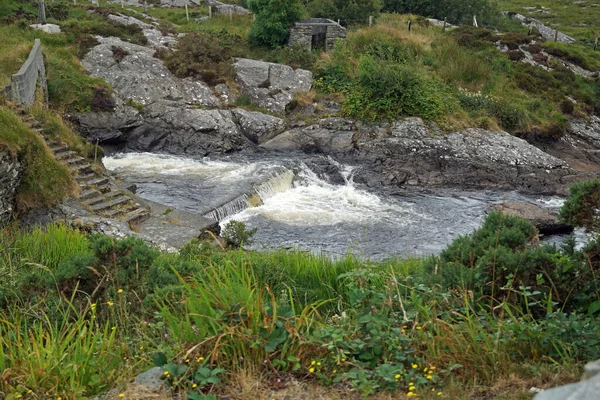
(302, 209)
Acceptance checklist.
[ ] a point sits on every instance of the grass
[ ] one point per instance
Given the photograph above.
(255, 319)
(575, 18)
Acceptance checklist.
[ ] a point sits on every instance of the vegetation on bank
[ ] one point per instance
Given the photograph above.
(494, 305)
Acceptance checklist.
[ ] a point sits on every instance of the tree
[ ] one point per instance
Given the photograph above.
(348, 11)
(273, 21)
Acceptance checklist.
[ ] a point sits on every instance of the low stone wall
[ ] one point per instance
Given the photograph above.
(23, 84)
(10, 177)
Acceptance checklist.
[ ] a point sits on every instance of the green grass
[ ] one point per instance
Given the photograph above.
(278, 315)
(575, 18)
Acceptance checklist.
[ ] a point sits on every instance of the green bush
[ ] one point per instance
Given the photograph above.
(236, 234)
(456, 11)
(389, 90)
(347, 11)
(580, 208)
(273, 21)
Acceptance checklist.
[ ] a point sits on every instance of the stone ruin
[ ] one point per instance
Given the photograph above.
(317, 33)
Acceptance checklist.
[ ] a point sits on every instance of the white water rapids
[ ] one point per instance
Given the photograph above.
(311, 213)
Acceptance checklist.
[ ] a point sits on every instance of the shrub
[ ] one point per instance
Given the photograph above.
(205, 54)
(580, 208)
(457, 11)
(236, 234)
(506, 265)
(273, 20)
(296, 56)
(389, 90)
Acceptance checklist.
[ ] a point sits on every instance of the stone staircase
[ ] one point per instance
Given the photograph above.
(98, 192)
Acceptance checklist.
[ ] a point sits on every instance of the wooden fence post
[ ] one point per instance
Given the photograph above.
(556, 35)
(146, 6)
(444, 26)
(187, 14)
(209, 11)
(370, 20)
(230, 14)
(475, 24)
(122, 3)
(596, 43)
(409, 24)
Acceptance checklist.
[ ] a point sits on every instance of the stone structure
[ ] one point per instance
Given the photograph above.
(317, 32)
(587, 389)
(10, 177)
(23, 84)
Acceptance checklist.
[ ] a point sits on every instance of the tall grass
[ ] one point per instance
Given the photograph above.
(72, 357)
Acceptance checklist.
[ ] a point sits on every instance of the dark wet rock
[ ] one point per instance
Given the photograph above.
(11, 172)
(543, 219)
(271, 86)
(409, 152)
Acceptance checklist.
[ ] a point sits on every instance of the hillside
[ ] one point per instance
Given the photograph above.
(402, 108)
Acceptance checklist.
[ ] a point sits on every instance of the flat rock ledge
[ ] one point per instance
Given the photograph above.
(544, 220)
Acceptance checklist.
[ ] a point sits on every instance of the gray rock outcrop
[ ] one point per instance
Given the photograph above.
(544, 220)
(10, 177)
(224, 9)
(547, 32)
(409, 152)
(271, 86)
(587, 389)
(258, 127)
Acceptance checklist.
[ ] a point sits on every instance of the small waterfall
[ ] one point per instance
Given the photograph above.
(278, 183)
(234, 206)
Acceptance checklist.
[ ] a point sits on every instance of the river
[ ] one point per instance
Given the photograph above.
(314, 212)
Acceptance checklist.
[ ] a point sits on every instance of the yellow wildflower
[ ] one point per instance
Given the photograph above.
(120, 291)
(110, 303)
(425, 369)
(415, 366)
(439, 393)
(313, 362)
(335, 371)
(194, 386)
(410, 394)
(121, 395)
(429, 377)
(319, 363)
(200, 359)
(311, 370)
(397, 376)
(419, 328)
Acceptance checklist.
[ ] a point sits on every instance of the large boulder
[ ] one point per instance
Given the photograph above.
(258, 127)
(156, 111)
(543, 219)
(137, 76)
(10, 177)
(271, 86)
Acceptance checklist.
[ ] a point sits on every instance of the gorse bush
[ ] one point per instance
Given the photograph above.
(208, 55)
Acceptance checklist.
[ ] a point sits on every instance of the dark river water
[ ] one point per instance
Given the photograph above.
(311, 213)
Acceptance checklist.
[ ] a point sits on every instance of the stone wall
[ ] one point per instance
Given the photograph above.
(23, 84)
(304, 31)
(10, 177)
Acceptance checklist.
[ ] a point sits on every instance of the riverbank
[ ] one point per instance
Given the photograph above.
(274, 324)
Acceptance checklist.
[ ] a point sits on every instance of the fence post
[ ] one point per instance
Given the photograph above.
(75, 2)
(122, 3)
(370, 20)
(444, 26)
(42, 13)
(596, 43)
(209, 11)
(230, 14)
(145, 6)
(187, 14)
(556, 35)
(475, 21)
(409, 24)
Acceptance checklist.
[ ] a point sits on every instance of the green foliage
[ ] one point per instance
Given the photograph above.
(390, 90)
(236, 234)
(273, 21)
(458, 12)
(500, 262)
(580, 208)
(348, 12)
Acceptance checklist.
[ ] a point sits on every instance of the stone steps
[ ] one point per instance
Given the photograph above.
(98, 193)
